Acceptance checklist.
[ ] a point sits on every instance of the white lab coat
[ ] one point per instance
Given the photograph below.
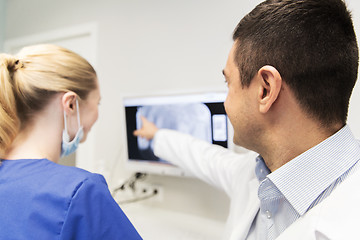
(234, 173)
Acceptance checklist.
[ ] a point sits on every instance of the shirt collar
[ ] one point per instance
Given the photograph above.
(261, 170)
(320, 166)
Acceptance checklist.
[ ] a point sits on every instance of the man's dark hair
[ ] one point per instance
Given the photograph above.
(311, 43)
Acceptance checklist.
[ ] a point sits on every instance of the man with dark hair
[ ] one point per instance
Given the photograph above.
(290, 75)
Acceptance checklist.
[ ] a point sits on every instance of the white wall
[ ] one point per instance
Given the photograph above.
(354, 111)
(151, 46)
(2, 22)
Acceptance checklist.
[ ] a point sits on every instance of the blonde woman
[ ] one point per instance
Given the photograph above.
(49, 102)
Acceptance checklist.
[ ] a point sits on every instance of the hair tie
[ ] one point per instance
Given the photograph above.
(18, 64)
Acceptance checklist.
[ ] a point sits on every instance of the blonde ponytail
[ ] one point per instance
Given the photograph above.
(9, 122)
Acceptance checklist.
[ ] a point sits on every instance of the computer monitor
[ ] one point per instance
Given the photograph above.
(201, 115)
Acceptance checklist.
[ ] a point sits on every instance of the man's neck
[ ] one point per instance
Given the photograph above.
(293, 140)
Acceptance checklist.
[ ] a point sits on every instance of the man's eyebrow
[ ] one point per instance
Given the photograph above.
(223, 72)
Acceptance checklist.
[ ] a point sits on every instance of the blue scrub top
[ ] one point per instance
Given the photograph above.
(40, 199)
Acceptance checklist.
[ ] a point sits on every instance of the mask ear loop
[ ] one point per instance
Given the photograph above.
(78, 118)
(78, 112)
(65, 124)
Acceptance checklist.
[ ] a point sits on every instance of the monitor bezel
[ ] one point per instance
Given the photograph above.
(161, 168)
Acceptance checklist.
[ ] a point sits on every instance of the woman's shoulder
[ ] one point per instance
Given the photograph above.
(72, 175)
(45, 175)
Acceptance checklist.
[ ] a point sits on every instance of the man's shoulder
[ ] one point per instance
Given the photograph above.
(336, 217)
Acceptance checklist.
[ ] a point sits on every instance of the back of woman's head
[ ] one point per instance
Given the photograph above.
(31, 78)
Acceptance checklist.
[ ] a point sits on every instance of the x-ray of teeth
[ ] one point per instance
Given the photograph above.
(200, 115)
(192, 118)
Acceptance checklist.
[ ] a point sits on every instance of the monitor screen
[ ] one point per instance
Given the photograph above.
(201, 115)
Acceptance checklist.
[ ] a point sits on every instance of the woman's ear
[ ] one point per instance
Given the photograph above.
(69, 102)
(269, 87)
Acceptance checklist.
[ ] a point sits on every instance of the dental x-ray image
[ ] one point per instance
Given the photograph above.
(202, 116)
(190, 118)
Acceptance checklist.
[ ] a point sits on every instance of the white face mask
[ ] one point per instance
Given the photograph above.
(67, 146)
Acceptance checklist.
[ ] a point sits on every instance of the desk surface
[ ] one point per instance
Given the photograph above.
(160, 224)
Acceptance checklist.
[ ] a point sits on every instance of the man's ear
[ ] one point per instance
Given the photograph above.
(69, 102)
(269, 87)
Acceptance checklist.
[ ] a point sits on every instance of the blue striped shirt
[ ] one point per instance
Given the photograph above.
(297, 186)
